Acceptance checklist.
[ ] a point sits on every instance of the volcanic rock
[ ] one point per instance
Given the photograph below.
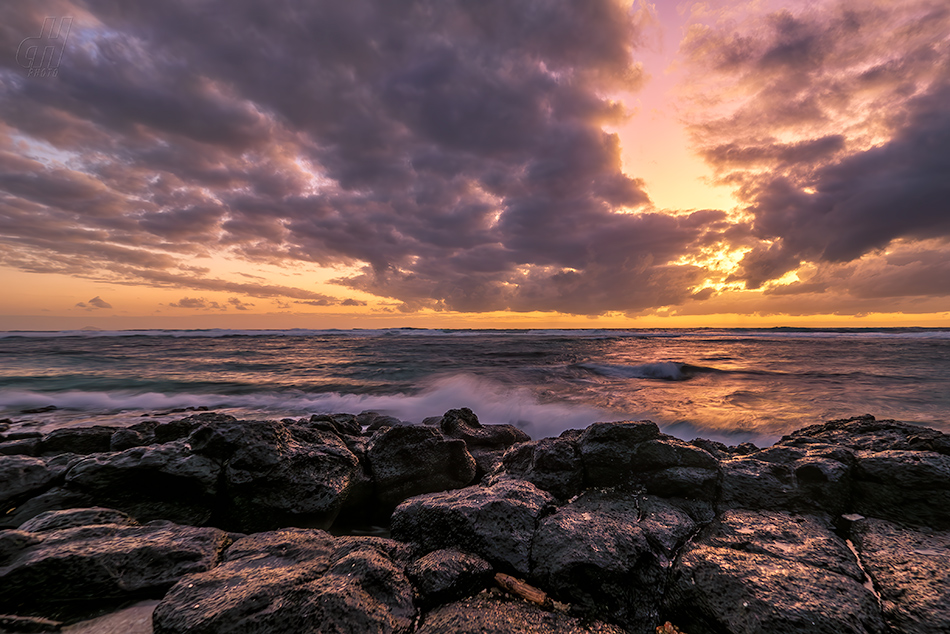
(496, 523)
(764, 572)
(165, 481)
(68, 571)
(77, 440)
(409, 460)
(278, 474)
(551, 464)
(72, 518)
(494, 614)
(295, 580)
(608, 449)
(21, 477)
(448, 575)
(911, 570)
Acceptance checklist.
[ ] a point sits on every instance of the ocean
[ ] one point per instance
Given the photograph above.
(732, 385)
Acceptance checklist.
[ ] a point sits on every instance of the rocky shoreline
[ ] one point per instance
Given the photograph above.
(360, 523)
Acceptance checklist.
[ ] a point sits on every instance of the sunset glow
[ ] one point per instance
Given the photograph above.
(474, 165)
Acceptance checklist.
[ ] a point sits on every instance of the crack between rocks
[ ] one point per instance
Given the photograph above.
(868, 581)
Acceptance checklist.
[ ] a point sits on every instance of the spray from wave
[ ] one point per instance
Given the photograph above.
(494, 403)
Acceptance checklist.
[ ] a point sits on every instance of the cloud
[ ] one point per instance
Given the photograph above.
(237, 303)
(454, 153)
(190, 302)
(98, 302)
(453, 150)
(832, 122)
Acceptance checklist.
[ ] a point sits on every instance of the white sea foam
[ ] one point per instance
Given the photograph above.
(492, 401)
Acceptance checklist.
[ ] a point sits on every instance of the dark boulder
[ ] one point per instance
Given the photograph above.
(72, 570)
(449, 575)
(76, 440)
(295, 580)
(410, 460)
(54, 499)
(496, 523)
(14, 623)
(765, 572)
(165, 481)
(911, 570)
(904, 486)
(124, 439)
(278, 474)
(497, 614)
(20, 447)
(864, 433)
(71, 518)
(608, 449)
(22, 477)
(551, 464)
(594, 554)
(342, 424)
(815, 478)
(486, 443)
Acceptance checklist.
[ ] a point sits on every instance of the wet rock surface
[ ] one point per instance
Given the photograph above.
(446, 575)
(295, 580)
(412, 460)
(493, 614)
(769, 571)
(614, 528)
(497, 523)
(911, 571)
(66, 571)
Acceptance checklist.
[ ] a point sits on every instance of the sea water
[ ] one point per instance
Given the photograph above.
(732, 385)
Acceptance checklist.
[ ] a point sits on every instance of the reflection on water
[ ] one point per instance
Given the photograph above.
(733, 384)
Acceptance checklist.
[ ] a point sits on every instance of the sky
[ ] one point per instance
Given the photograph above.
(474, 163)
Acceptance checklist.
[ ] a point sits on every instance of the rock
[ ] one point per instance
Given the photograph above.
(449, 575)
(608, 449)
(764, 572)
(717, 449)
(12, 623)
(864, 433)
(911, 570)
(374, 421)
(19, 447)
(178, 429)
(410, 460)
(551, 464)
(71, 518)
(496, 523)
(54, 499)
(39, 410)
(295, 580)
(494, 614)
(22, 477)
(814, 479)
(165, 481)
(76, 440)
(594, 553)
(342, 424)
(23, 435)
(904, 486)
(278, 474)
(463, 424)
(124, 439)
(69, 571)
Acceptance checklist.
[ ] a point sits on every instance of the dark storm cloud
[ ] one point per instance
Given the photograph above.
(864, 88)
(453, 149)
